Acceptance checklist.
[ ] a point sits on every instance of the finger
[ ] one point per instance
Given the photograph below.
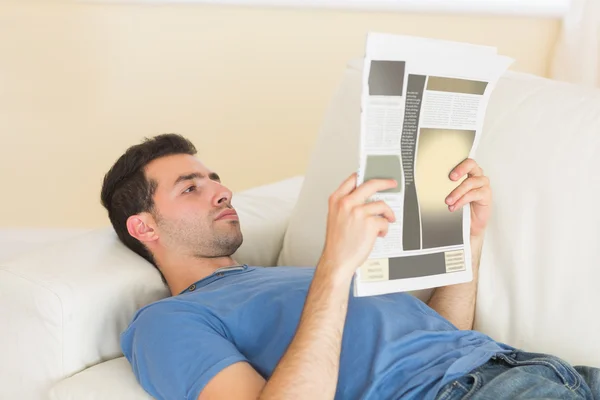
(468, 166)
(474, 182)
(379, 208)
(382, 226)
(370, 187)
(347, 186)
(481, 196)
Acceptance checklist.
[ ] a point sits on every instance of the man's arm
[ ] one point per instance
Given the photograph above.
(456, 303)
(309, 368)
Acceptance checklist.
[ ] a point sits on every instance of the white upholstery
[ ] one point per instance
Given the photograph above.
(264, 215)
(110, 380)
(63, 306)
(540, 277)
(334, 157)
(541, 148)
(17, 241)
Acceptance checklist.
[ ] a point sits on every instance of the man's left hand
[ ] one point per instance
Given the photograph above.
(475, 189)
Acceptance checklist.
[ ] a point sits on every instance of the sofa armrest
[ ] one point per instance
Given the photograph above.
(64, 306)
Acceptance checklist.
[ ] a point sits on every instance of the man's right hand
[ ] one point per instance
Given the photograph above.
(353, 225)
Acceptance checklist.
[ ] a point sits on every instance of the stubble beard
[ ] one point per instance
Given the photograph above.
(223, 244)
(202, 240)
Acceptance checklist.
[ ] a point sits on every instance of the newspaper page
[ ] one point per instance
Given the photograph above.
(422, 109)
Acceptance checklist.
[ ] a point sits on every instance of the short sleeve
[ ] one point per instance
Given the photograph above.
(175, 352)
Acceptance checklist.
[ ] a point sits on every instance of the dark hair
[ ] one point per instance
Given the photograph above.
(127, 191)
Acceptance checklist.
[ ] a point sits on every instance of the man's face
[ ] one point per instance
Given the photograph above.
(192, 209)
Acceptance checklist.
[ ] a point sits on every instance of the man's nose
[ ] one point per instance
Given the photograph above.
(222, 195)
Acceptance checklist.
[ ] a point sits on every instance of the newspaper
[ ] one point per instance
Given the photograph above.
(422, 109)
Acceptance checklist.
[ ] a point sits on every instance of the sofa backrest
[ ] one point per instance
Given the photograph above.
(541, 149)
(540, 275)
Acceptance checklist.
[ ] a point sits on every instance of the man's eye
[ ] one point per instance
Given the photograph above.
(190, 189)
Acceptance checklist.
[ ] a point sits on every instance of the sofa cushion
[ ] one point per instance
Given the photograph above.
(108, 380)
(17, 241)
(539, 280)
(540, 147)
(334, 157)
(264, 213)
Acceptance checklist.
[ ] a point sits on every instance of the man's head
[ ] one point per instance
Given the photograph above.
(164, 203)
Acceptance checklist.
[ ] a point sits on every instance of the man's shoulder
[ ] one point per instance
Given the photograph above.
(166, 318)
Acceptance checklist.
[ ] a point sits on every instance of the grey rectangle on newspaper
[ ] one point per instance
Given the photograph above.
(417, 266)
(386, 78)
(384, 167)
(456, 85)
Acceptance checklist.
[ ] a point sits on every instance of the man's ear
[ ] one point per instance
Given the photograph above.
(142, 227)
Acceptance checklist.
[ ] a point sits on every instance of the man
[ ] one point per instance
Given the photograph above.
(232, 331)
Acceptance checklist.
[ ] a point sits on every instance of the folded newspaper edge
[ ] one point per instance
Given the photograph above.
(423, 104)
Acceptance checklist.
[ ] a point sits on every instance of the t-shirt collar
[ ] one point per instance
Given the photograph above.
(219, 272)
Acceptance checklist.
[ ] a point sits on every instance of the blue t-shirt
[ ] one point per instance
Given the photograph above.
(394, 346)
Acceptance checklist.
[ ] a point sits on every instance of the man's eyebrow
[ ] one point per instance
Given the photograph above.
(188, 177)
(196, 175)
(213, 176)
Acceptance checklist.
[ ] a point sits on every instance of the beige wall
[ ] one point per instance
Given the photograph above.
(79, 83)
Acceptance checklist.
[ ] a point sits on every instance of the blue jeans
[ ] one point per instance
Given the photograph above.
(521, 375)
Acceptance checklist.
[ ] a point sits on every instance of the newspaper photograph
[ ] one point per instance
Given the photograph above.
(422, 109)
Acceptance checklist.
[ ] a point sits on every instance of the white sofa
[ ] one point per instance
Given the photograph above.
(63, 306)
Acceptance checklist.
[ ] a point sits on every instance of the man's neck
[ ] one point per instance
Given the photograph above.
(182, 272)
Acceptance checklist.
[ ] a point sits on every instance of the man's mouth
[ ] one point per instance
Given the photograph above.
(227, 214)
